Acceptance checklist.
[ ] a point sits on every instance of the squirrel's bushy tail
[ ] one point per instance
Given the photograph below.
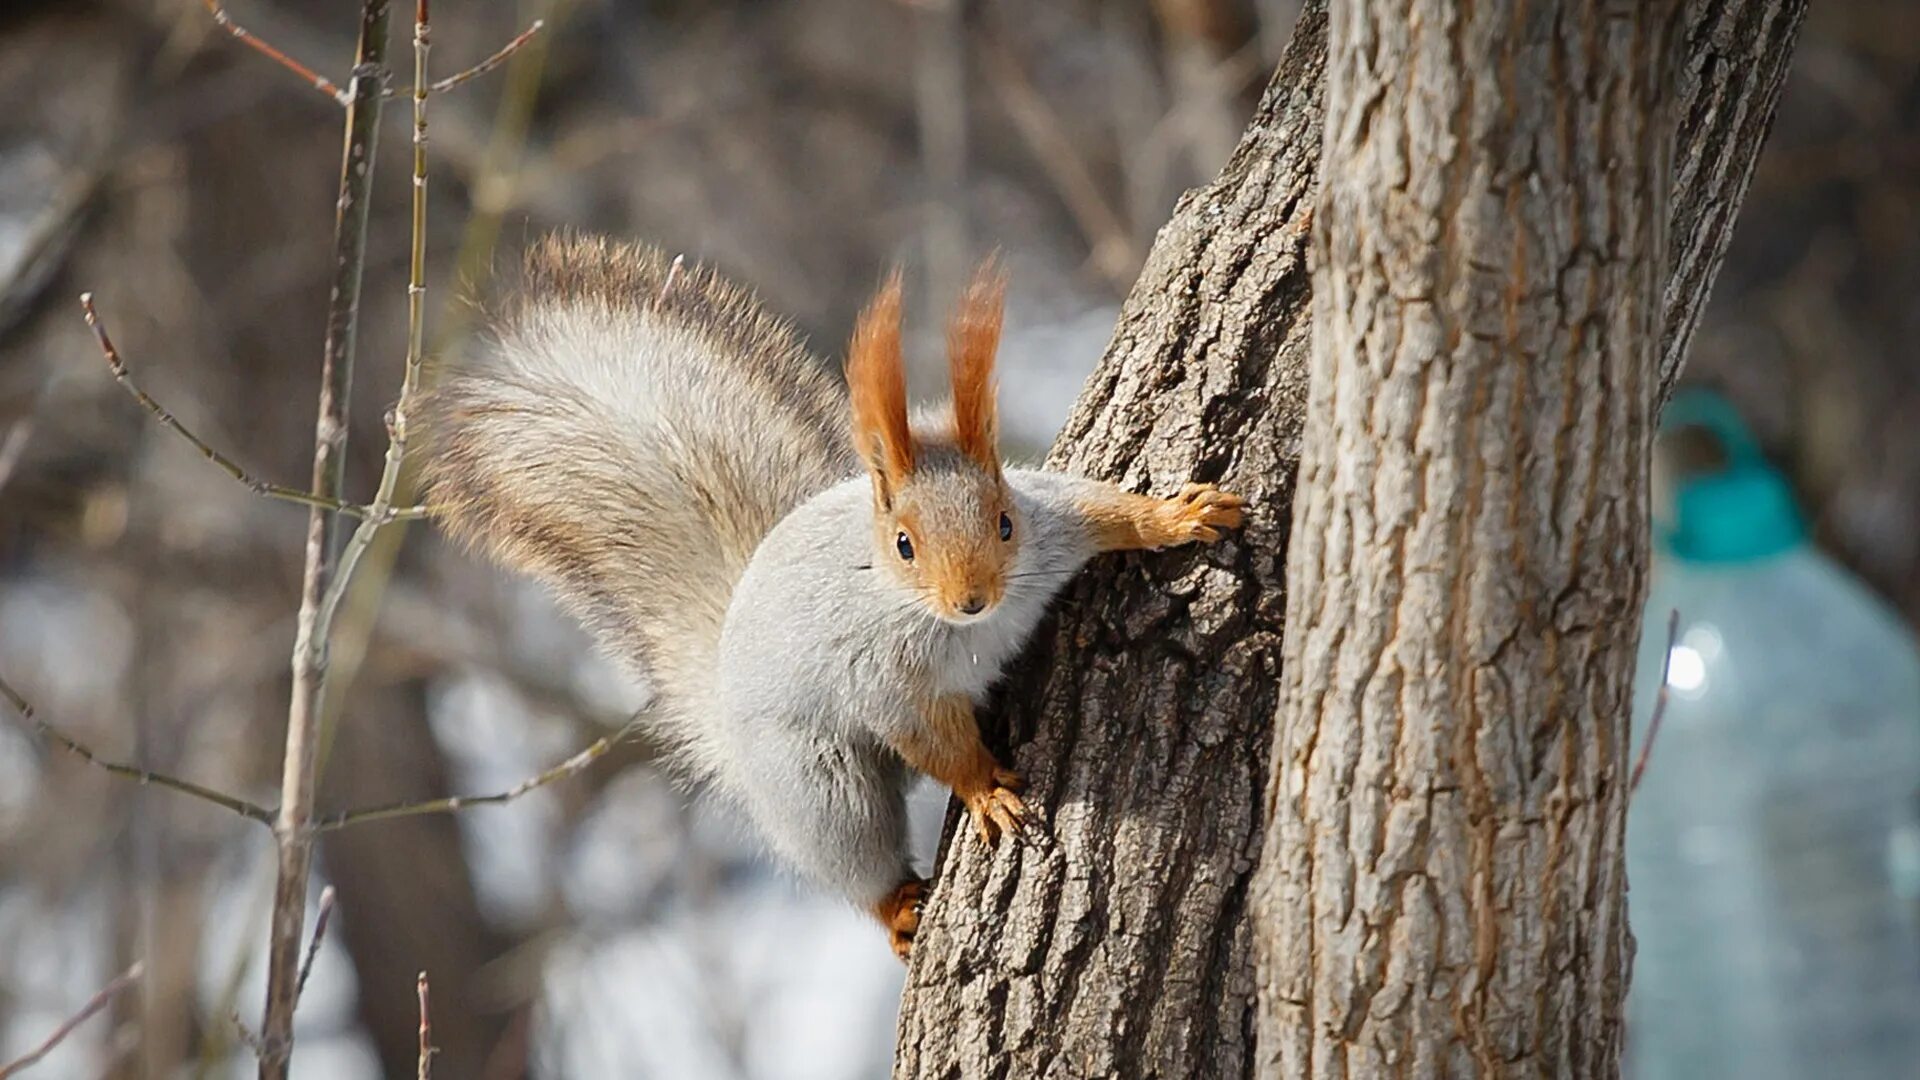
(629, 435)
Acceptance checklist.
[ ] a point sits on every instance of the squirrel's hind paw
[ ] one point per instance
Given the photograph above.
(900, 914)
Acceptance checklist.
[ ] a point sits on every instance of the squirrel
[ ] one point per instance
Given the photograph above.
(818, 586)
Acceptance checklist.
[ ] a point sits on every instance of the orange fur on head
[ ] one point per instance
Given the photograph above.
(877, 383)
(972, 339)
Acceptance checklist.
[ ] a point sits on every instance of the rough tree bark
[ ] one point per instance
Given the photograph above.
(1121, 944)
(1442, 890)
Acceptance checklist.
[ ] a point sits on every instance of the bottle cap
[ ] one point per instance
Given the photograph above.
(1743, 512)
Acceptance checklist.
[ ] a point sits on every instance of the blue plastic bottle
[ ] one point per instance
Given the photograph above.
(1773, 847)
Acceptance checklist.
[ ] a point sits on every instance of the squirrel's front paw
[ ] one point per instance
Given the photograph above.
(997, 809)
(900, 914)
(1199, 512)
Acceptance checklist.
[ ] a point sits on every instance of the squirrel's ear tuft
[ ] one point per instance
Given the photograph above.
(972, 339)
(877, 384)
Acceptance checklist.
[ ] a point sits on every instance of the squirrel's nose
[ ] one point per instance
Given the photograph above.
(972, 605)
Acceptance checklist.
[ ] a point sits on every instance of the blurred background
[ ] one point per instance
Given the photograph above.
(608, 926)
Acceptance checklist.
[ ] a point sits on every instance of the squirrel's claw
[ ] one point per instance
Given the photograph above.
(998, 810)
(1201, 511)
(900, 914)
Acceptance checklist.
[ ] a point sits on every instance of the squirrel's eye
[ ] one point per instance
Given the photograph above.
(904, 546)
(1006, 527)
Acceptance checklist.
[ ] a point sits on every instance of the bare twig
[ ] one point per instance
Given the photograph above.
(1659, 702)
(241, 34)
(346, 819)
(426, 1026)
(94, 1004)
(248, 1036)
(398, 432)
(489, 63)
(320, 921)
(329, 566)
(213, 1054)
(575, 764)
(138, 775)
(172, 423)
(299, 773)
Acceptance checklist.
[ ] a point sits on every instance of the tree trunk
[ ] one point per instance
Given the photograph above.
(1442, 890)
(1118, 945)
(1121, 944)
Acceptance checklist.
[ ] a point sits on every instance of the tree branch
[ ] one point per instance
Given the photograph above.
(326, 574)
(328, 87)
(425, 1070)
(380, 511)
(48, 730)
(320, 920)
(299, 777)
(491, 62)
(94, 1004)
(345, 819)
(245, 37)
(578, 762)
(1659, 703)
(172, 423)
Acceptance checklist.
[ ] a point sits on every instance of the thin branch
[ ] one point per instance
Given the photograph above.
(245, 37)
(94, 1004)
(425, 1070)
(248, 1036)
(299, 774)
(575, 764)
(232, 468)
(74, 746)
(320, 921)
(1659, 702)
(489, 63)
(380, 510)
(213, 1051)
(328, 576)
